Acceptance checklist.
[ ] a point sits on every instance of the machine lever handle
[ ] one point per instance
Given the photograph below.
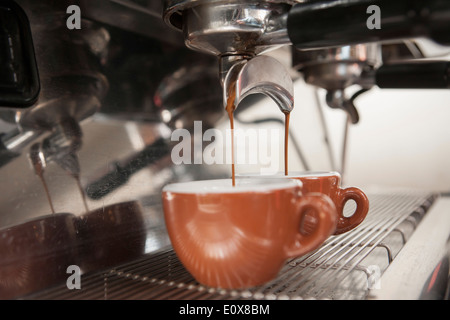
(414, 75)
(321, 24)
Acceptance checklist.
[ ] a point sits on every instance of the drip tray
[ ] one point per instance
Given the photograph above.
(347, 266)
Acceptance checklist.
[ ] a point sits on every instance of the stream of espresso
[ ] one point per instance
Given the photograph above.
(286, 141)
(230, 109)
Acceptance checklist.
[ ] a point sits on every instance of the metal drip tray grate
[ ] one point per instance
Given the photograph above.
(345, 267)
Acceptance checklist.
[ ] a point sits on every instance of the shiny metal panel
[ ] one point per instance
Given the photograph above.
(426, 250)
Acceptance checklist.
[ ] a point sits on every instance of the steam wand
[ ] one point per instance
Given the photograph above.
(352, 118)
(325, 130)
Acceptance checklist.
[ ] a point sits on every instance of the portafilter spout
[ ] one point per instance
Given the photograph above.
(230, 27)
(237, 32)
(262, 74)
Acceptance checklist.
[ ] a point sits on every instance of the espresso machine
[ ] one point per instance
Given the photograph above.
(92, 91)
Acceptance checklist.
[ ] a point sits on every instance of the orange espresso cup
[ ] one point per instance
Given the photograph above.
(329, 183)
(239, 237)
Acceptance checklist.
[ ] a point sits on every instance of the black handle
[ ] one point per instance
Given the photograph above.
(19, 78)
(320, 24)
(414, 75)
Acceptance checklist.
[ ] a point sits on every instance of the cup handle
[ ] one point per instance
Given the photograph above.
(345, 224)
(324, 226)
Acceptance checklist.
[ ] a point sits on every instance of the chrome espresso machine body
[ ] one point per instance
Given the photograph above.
(92, 91)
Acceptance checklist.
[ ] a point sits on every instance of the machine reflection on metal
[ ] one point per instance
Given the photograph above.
(62, 148)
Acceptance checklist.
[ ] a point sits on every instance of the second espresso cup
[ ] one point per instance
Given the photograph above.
(239, 237)
(329, 183)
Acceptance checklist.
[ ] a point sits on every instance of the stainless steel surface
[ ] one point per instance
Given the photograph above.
(264, 75)
(427, 247)
(99, 85)
(124, 124)
(234, 31)
(345, 267)
(142, 17)
(231, 28)
(175, 9)
(337, 68)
